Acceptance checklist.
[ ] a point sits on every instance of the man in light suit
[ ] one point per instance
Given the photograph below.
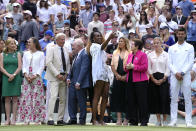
(78, 81)
(181, 59)
(58, 66)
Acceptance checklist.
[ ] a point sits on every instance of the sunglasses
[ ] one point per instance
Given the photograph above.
(116, 25)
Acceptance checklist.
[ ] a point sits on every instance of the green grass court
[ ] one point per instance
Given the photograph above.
(90, 128)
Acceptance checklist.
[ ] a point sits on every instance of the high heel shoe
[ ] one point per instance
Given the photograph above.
(13, 123)
(119, 123)
(7, 123)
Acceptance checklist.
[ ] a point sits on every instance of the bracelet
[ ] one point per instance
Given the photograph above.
(14, 74)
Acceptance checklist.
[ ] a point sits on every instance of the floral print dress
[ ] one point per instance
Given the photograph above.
(31, 105)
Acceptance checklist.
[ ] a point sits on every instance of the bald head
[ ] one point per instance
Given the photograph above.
(77, 45)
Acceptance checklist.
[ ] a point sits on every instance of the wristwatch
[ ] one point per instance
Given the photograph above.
(182, 73)
(14, 74)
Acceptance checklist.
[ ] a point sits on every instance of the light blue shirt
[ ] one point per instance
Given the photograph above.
(191, 31)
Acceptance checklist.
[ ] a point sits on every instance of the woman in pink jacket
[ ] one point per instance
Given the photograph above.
(136, 67)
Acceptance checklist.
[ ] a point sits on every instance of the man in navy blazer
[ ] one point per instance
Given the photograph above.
(78, 82)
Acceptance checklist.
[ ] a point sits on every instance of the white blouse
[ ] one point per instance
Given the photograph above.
(99, 67)
(35, 60)
(158, 63)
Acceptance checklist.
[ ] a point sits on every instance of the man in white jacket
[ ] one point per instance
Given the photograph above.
(181, 59)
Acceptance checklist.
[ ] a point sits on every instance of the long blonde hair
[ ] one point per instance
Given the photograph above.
(127, 46)
(7, 42)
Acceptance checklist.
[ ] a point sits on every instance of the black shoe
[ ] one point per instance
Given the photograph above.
(72, 122)
(144, 124)
(50, 123)
(82, 123)
(61, 123)
(133, 124)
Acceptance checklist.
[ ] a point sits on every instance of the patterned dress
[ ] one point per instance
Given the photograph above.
(31, 106)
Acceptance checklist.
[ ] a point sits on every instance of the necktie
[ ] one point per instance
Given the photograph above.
(75, 59)
(63, 59)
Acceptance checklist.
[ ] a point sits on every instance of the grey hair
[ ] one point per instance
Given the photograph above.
(79, 42)
(59, 34)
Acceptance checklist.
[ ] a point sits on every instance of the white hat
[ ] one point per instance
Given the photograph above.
(9, 16)
(15, 4)
(149, 26)
(27, 12)
(132, 31)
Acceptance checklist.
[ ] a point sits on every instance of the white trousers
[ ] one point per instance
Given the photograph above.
(56, 88)
(185, 86)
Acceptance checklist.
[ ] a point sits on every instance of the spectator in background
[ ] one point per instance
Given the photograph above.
(162, 17)
(152, 18)
(120, 14)
(179, 18)
(118, 97)
(141, 25)
(10, 29)
(44, 15)
(2, 7)
(108, 5)
(9, 6)
(181, 59)
(32, 103)
(31, 6)
(96, 23)
(166, 38)
(73, 15)
(173, 26)
(28, 29)
(108, 23)
(10, 66)
(59, 24)
(67, 25)
(18, 17)
(191, 29)
(126, 25)
(56, 8)
(68, 39)
(136, 67)
(149, 37)
(87, 16)
(103, 14)
(159, 87)
(45, 28)
(187, 6)
(115, 28)
(46, 40)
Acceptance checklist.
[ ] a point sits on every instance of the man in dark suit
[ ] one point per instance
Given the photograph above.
(78, 82)
(179, 18)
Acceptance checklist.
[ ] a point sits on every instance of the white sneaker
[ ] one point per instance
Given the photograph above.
(158, 123)
(172, 124)
(165, 123)
(189, 125)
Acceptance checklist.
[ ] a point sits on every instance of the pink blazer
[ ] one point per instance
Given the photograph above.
(140, 63)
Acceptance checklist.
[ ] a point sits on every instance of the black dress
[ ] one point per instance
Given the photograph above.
(159, 98)
(118, 102)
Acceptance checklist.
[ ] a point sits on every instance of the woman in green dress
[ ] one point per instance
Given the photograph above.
(10, 65)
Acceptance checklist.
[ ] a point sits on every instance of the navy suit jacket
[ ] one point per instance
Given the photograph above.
(80, 70)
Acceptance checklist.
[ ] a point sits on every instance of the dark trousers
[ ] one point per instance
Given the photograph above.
(77, 97)
(138, 103)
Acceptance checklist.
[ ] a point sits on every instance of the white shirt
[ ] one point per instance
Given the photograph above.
(62, 71)
(44, 14)
(99, 25)
(136, 6)
(181, 58)
(158, 63)
(35, 60)
(59, 8)
(162, 18)
(119, 34)
(172, 26)
(99, 67)
(68, 44)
